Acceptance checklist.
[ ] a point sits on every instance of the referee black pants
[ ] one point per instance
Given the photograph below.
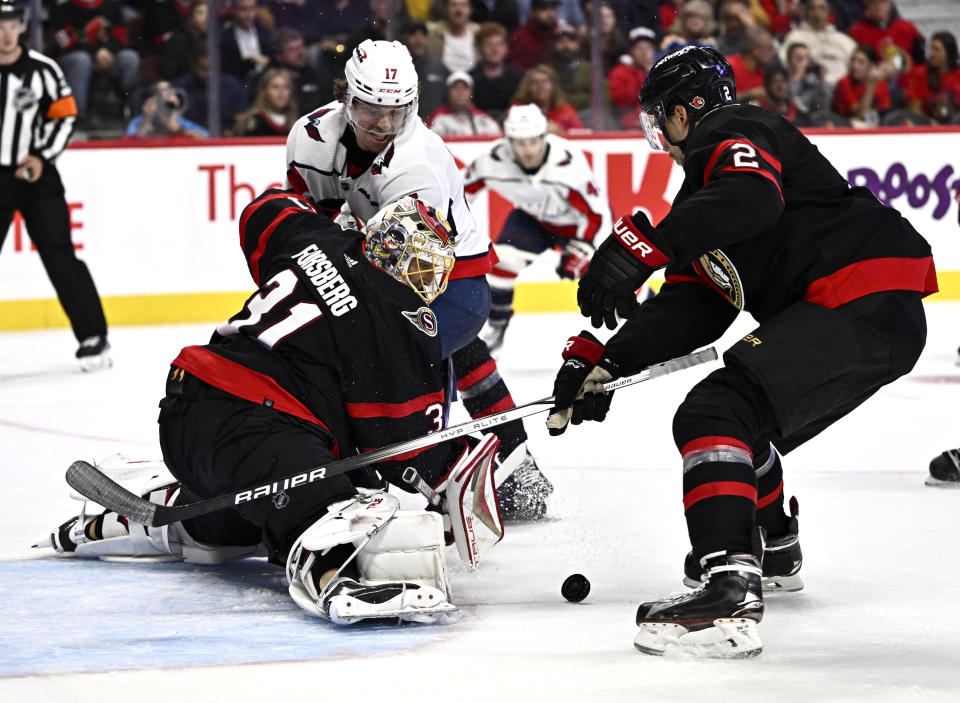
(44, 209)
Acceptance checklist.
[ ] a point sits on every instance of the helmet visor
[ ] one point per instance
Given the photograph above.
(378, 120)
(651, 121)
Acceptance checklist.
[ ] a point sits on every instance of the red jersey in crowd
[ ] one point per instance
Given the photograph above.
(529, 45)
(745, 78)
(918, 88)
(624, 82)
(847, 95)
(898, 33)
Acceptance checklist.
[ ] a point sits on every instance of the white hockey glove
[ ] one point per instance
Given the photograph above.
(347, 220)
(472, 504)
(399, 561)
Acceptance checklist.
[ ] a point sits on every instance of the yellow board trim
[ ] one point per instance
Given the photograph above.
(532, 296)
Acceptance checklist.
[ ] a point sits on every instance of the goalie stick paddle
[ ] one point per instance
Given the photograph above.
(89, 481)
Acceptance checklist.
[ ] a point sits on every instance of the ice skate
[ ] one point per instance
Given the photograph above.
(94, 354)
(524, 492)
(716, 621)
(945, 470)
(493, 333)
(346, 601)
(782, 559)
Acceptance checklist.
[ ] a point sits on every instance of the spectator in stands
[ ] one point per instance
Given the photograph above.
(669, 11)
(324, 24)
(829, 48)
(432, 73)
(160, 19)
(735, 24)
(531, 42)
(781, 15)
(777, 96)
(893, 38)
(506, 13)
(494, 80)
(161, 115)
(934, 90)
(377, 27)
(749, 67)
(244, 41)
(573, 69)
(862, 95)
(186, 42)
(312, 87)
(458, 116)
(452, 38)
(540, 86)
(194, 86)
(92, 39)
(612, 45)
(694, 25)
(806, 86)
(274, 110)
(626, 78)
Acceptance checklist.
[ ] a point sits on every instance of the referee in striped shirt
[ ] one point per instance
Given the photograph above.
(37, 112)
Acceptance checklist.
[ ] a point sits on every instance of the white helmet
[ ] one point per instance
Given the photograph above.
(380, 74)
(413, 243)
(525, 121)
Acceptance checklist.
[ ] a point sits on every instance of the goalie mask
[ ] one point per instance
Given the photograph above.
(697, 77)
(382, 87)
(412, 242)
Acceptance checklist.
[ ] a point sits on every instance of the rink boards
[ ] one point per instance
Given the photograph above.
(157, 224)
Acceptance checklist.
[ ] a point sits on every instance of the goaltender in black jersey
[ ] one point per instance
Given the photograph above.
(337, 352)
(762, 223)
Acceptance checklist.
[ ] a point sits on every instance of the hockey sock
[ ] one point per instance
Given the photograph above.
(770, 514)
(501, 301)
(719, 494)
(484, 393)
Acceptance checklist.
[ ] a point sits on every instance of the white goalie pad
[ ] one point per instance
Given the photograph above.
(472, 502)
(127, 541)
(399, 556)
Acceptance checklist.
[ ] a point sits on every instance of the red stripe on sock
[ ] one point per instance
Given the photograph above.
(719, 488)
(476, 375)
(768, 499)
(705, 443)
(498, 407)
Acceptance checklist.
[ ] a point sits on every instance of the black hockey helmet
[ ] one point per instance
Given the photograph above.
(697, 77)
(11, 10)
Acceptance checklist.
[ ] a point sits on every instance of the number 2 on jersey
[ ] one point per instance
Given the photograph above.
(278, 289)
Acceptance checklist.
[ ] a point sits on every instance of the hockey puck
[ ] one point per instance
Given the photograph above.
(575, 588)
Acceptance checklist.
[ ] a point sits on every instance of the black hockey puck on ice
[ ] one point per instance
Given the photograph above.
(575, 588)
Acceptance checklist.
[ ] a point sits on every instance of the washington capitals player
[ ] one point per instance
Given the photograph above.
(762, 223)
(368, 147)
(336, 352)
(556, 201)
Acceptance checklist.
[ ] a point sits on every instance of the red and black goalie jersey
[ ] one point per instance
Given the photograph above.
(762, 221)
(329, 338)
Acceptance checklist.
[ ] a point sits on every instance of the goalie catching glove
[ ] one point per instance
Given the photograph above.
(620, 267)
(578, 389)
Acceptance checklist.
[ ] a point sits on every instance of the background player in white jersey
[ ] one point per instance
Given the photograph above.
(556, 201)
(367, 148)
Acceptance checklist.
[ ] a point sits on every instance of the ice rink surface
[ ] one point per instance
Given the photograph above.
(878, 621)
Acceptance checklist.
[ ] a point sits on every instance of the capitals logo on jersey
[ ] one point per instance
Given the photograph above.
(311, 126)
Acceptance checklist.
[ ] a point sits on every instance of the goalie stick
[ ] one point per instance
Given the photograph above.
(89, 481)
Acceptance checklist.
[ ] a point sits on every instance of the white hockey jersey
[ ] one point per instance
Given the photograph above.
(416, 162)
(561, 195)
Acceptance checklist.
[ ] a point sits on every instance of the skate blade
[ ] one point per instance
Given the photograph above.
(939, 483)
(443, 614)
(91, 364)
(727, 638)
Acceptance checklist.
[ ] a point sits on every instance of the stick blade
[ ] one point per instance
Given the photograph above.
(89, 481)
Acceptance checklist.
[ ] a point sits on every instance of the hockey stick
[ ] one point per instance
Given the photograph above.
(89, 481)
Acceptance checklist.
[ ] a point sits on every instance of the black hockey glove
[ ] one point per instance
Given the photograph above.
(575, 259)
(578, 389)
(622, 264)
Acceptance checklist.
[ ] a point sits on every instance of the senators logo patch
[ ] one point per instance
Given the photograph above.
(697, 102)
(424, 320)
(722, 275)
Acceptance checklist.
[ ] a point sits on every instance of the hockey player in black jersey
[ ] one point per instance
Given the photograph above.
(762, 223)
(337, 352)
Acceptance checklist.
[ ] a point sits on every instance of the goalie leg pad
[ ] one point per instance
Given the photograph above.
(399, 560)
(473, 504)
